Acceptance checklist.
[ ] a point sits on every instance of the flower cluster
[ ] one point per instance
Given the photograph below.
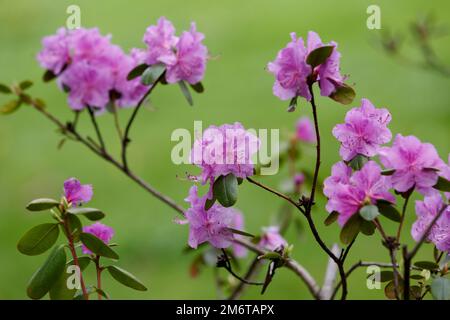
(293, 74)
(76, 193)
(364, 131)
(91, 68)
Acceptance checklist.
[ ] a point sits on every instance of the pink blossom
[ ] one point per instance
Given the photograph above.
(238, 224)
(415, 164)
(271, 239)
(346, 195)
(208, 225)
(76, 193)
(161, 40)
(364, 130)
(188, 63)
(55, 52)
(328, 72)
(101, 231)
(291, 71)
(426, 211)
(299, 179)
(223, 150)
(305, 130)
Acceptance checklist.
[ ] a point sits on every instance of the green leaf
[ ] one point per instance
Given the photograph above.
(440, 288)
(83, 262)
(292, 105)
(97, 246)
(10, 107)
(60, 291)
(332, 217)
(389, 211)
(198, 87)
(319, 55)
(185, 90)
(75, 226)
(90, 213)
(225, 190)
(126, 278)
(369, 212)
(427, 265)
(24, 85)
(388, 172)
(389, 290)
(48, 274)
(416, 292)
(39, 103)
(152, 74)
(384, 276)
(417, 277)
(442, 184)
(367, 227)
(209, 203)
(42, 204)
(48, 76)
(137, 71)
(344, 94)
(242, 233)
(39, 239)
(271, 256)
(350, 229)
(5, 89)
(358, 162)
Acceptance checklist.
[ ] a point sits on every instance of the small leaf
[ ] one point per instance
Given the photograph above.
(350, 229)
(415, 292)
(83, 262)
(388, 172)
(39, 103)
(440, 288)
(198, 87)
(48, 76)
(5, 89)
(332, 217)
(367, 227)
(242, 233)
(358, 162)
(344, 94)
(42, 204)
(384, 276)
(24, 85)
(185, 90)
(97, 246)
(209, 203)
(417, 277)
(389, 211)
(271, 256)
(126, 278)
(152, 74)
(389, 290)
(442, 184)
(59, 290)
(137, 71)
(225, 190)
(292, 105)
(48, 274)
(428, 265)
(369, 212)
(39, 239)
(90, 213)
(319, 55)
(75, 226)
(10, 107)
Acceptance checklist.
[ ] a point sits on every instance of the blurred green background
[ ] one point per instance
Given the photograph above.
(244, 36)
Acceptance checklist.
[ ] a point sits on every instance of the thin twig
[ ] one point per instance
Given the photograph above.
(253, 268)
(97, 129)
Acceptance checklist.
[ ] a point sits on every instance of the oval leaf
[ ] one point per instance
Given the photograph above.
(225, 190)
(90, 213)
(48, 76)
(24, 85)
(350, 229)
(440, 288)
(137, 71)
(332, 217)
(186, 93)
(427, 265)
(42, 204)
(39, 239)
(343, 94)
(5, 89)
(126, 278)
(358, 162)
(369, 212)
(367, 227)
(75, 227)
(319, 55)
(152, 74)
(198, 87)
(47, 275)
(10, 107)
(442, 184)
(97, 246)
(389, 211)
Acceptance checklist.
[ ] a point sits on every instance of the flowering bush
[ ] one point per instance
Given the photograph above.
(363, 191)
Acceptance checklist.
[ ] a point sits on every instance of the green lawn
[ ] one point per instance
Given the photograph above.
(244, 36)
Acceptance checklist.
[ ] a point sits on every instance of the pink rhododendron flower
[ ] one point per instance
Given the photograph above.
(291, 70)
(160, 40)
(188, 63)
(76, 193)
(305, 130)
(364, 130)
(426, 211)
(208, 225)
(346, 195)
(299, 179)
(328, 72)
(101, 231)
(238, 224)
(223, 150)
(271, 239)
(415, 164)
(55, 52)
